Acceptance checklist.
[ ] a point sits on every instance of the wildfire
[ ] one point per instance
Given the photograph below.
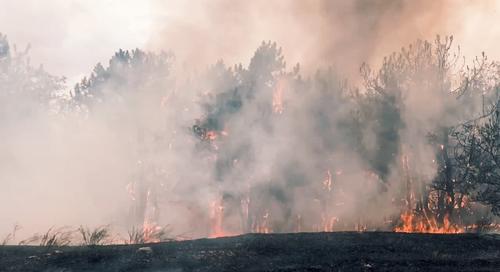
(211, 135)
(217, 219)
(262, 224)
(412, 223)
(426, 220)
(328, 223)
(149, 231)
(413, 219)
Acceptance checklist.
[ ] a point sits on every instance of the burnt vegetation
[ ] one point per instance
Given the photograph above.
(344, 251)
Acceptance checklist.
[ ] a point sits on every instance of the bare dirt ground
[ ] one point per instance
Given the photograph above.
(342, 251)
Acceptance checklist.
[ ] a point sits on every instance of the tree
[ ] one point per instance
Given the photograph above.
(129, 73)
(478, 156)
(420, 105)
(24, 90)
(127, 96)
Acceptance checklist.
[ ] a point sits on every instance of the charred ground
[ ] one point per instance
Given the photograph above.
(344, 251)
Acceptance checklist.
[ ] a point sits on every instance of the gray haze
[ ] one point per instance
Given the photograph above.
(75, 167)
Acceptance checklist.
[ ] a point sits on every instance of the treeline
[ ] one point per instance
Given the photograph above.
(421, 131)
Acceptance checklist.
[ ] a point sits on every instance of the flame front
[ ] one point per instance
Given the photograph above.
(411, 223)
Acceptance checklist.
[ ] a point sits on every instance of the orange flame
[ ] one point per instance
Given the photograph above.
(211, 135)
(412, 223)
(328, 223)
(148, 231)
(217, 219)
(262, 224)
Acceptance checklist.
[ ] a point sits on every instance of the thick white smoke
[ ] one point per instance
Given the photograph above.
(283, 157)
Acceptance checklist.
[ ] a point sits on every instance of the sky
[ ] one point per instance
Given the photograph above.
(70, 36)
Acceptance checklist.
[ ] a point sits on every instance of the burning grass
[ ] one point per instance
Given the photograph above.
(412, 223)
(409, 222)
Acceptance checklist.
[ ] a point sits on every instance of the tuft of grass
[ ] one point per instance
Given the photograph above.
(143, 235)
(11, 236)
(92, 237)
(51, 238)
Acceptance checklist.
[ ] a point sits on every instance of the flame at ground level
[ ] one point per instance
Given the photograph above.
(411, 223)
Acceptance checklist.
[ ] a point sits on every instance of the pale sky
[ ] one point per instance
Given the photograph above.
(70, 36)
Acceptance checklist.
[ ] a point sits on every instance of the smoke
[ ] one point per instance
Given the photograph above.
(76, 34)
(268, 145)
(317, 33)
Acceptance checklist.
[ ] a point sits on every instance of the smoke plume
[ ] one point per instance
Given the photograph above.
(193, 139)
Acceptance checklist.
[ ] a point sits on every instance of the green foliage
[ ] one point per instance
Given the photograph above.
(128, 72)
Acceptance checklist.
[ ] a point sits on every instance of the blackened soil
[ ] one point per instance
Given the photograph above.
(343, 251)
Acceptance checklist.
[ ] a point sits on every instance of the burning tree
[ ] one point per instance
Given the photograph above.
(420, 74)
(262, 149)
(478, 157)
(396, 140)
(133, 86)
(351, 146)
(235, 90)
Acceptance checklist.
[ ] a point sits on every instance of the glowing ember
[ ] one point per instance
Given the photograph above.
(211, 135)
